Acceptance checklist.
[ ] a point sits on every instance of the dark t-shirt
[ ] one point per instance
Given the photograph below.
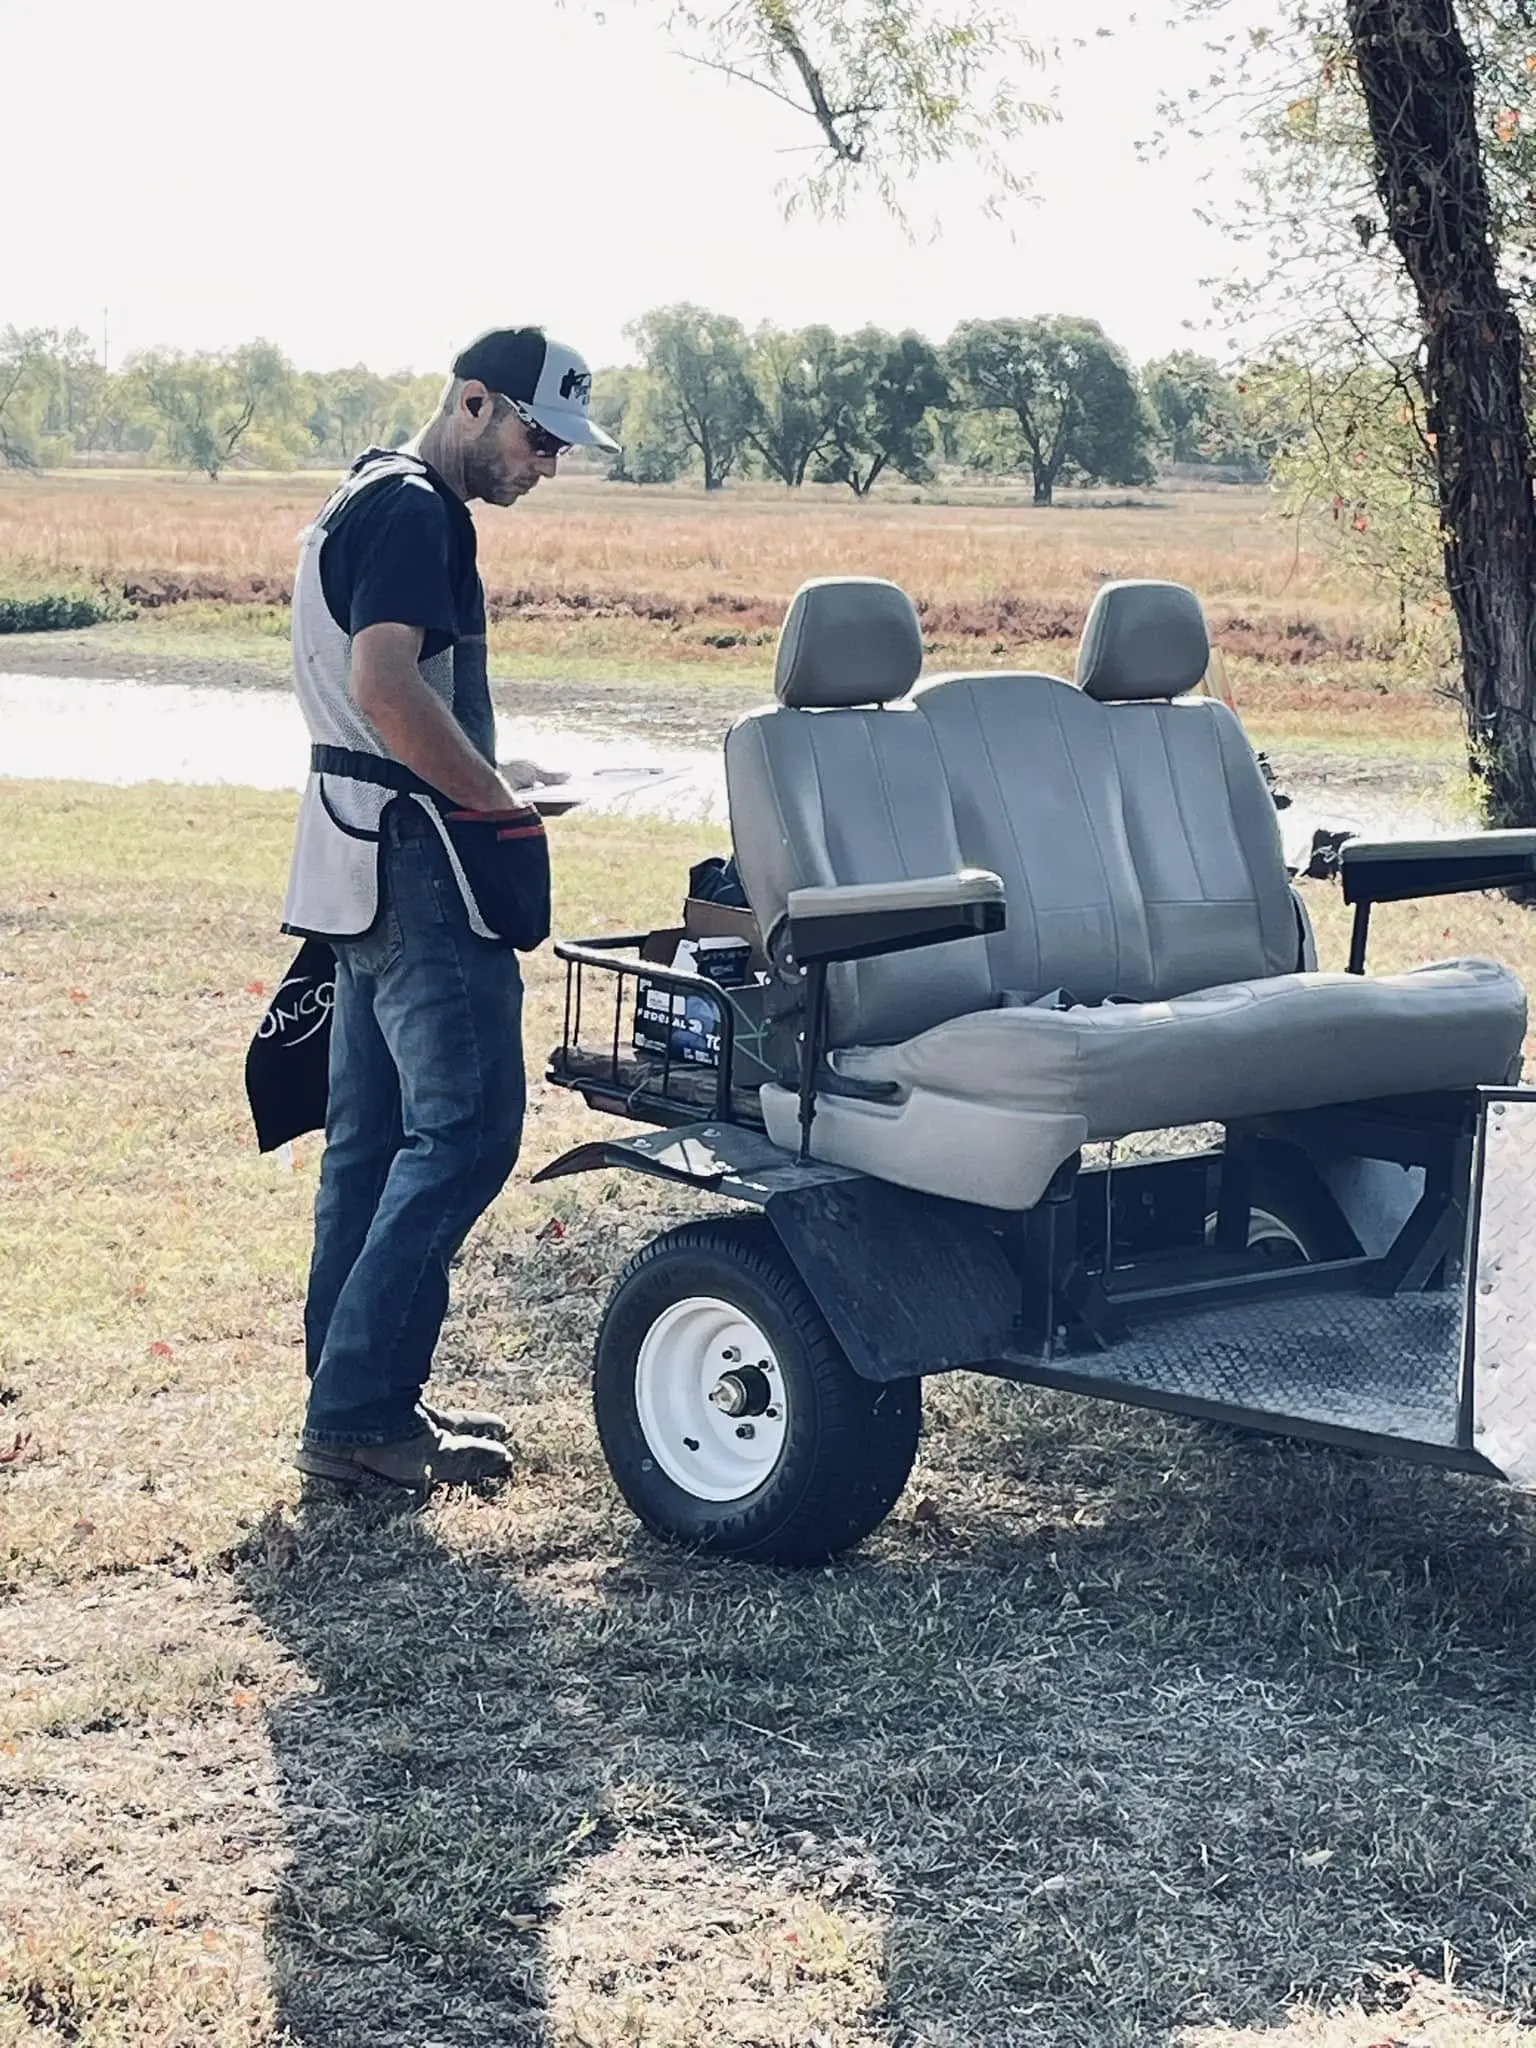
(403, 553)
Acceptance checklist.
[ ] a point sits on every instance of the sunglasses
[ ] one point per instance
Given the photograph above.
(540, 440)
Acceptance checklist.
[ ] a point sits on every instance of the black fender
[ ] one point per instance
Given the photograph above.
(909, 1283)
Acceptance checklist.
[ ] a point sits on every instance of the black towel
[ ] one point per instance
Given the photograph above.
(287, 1069)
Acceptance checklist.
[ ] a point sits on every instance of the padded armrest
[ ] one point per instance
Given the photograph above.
(927, 892)
(1394, 870)
(862, 919)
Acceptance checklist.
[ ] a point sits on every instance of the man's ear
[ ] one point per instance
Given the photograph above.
(473, 398)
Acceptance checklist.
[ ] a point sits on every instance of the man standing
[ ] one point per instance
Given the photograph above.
(427, 1087)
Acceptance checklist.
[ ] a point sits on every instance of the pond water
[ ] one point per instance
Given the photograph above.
(108, 731)
(123, 731)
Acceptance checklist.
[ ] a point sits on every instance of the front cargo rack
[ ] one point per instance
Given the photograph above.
(685, 1072)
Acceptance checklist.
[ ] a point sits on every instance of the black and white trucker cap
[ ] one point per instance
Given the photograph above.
(545, 376)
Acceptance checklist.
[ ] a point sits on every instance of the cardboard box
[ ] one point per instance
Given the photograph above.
(704, 920)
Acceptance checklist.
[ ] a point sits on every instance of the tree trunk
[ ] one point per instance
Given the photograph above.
(1045, 486)
(1419, 91)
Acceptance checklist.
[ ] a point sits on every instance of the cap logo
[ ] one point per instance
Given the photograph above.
(577, 384)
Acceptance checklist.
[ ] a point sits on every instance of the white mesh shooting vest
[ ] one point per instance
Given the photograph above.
(333, 883)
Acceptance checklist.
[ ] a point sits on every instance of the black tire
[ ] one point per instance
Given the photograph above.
(1290, 1202)
(849, 1443)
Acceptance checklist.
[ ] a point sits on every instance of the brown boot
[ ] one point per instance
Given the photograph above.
(415, 1464)
(466, 1422)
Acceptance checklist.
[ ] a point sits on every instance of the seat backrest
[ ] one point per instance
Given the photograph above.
(1034, 781)
(1136, 839)
(839, 783)
(1199, 819)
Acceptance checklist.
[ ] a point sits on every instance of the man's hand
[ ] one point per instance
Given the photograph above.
(417, 727)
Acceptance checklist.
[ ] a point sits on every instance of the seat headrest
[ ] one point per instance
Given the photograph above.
(1143, 640)
(847, 640)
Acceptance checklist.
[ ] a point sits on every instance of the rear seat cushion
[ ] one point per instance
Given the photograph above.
(1293, 1041)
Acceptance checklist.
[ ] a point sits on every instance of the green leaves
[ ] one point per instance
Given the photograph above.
(1070, 392)
(883, 392)
(803, 401)
(891, 87)
(1197, 409)
(705, 398)
(205, 408)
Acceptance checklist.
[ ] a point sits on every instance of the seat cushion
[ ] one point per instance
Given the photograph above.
(1290, 1041)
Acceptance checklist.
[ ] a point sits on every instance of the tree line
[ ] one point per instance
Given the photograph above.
(205, 411)
(1052, 398)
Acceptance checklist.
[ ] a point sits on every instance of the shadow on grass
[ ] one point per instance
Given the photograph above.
(1138, 1727)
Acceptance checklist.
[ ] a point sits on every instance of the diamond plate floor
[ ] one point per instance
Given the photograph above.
(1389, 1368)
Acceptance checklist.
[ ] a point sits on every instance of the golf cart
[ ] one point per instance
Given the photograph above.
(1002, 926)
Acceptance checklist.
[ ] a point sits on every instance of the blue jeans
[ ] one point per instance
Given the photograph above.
(427, 1095)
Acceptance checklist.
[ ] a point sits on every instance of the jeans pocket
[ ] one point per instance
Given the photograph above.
(379, 947)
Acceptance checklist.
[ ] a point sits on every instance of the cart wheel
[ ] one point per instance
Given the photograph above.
(730, 1419)
(1293, 1220)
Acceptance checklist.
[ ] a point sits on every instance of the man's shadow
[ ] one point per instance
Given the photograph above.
(1193, 1722)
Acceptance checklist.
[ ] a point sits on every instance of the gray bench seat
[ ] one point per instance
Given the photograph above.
(1142, 869)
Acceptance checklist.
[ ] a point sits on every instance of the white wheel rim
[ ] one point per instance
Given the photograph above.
(1264, 1228)
(697, 1349)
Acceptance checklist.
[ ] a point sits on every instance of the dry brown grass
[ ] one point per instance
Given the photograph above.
(592, 580)
(578, 534)
(1403, 2010)
(1141, 1728)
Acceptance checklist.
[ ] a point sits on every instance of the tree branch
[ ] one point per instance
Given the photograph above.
(745, 78)
(781, 31)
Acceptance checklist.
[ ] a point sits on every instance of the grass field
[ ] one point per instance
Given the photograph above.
(590, 581)
(1121, 1731)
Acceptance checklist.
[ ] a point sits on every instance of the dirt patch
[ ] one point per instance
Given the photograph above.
(151, 592)
(118, 659)
(660, 714)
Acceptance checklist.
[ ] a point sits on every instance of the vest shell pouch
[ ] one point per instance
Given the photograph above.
(505, 858)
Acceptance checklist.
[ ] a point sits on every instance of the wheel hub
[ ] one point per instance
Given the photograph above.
(711, 1399)
(742, 1391)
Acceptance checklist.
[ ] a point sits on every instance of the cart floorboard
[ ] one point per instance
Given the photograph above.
(1351, 1365)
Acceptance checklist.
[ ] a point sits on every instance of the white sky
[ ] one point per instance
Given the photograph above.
(358, 180)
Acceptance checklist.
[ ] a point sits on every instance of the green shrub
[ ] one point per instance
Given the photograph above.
(40, 609)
